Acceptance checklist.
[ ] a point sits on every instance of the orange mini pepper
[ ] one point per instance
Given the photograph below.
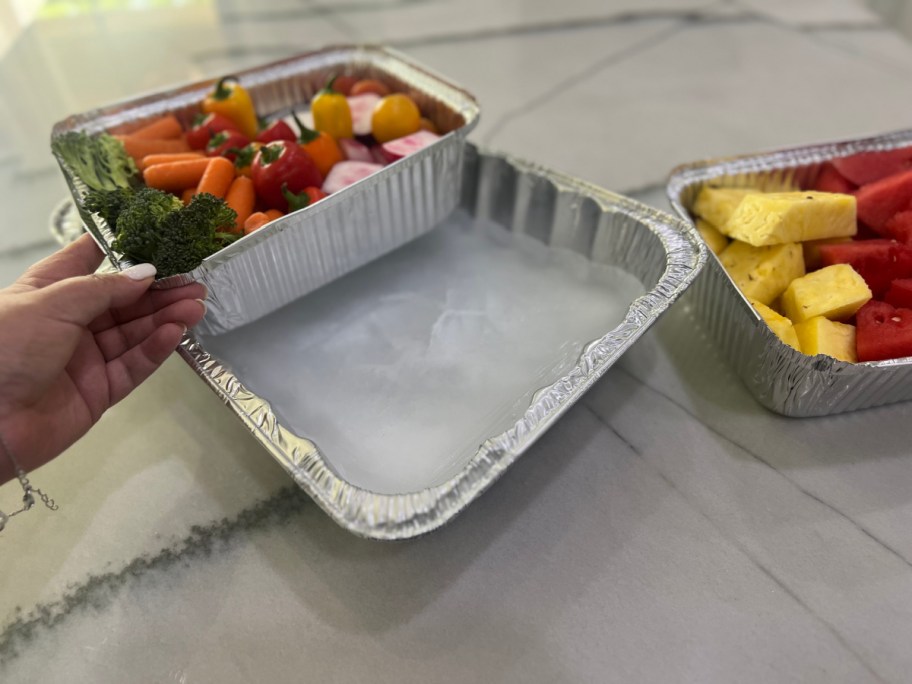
(321, 146)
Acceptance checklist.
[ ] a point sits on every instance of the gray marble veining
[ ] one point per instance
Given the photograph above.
(667, 529)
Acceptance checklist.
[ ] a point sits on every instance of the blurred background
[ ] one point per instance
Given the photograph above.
(66, 56)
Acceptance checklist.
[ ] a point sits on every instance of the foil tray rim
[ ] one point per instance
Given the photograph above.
(406, 515)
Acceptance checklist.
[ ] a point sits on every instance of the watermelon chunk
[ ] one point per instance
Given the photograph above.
(900, 227)
(868, 167)
(830, 180)
(879, 262)
(345, 173)
(878, 202)
(409, 144)
(900, 293)
(883, 332)
(362, 111)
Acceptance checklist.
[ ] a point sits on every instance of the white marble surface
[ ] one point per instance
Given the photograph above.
(667, 529)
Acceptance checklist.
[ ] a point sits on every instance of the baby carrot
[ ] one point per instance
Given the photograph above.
(218, 176)
(165, 127)
(187, 195)
(255, 221)
(259, 219)
(241, 198)
(176, 176)
(141, 147)
(153, 159)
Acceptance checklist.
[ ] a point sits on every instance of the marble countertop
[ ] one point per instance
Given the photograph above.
(668, 528)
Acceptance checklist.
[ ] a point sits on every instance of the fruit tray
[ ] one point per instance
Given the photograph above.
(307, 249)
(779, 377)
(394, 396)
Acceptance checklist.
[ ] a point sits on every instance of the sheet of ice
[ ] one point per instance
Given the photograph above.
(400, 370)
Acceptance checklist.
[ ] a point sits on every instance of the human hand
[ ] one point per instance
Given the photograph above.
(73, 344)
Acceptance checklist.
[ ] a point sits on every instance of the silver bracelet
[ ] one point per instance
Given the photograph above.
(28, 500)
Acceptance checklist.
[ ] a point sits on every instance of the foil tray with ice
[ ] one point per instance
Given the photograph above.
(262, 271)
(779, 377)
(397, 394)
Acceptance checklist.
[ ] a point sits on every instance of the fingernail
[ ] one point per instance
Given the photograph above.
(205, 292)
(140, 272)
(203, 304)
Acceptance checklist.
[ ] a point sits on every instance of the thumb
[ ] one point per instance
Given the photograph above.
(82, 299)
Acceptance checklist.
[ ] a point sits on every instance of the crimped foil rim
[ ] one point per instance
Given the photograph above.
(686, 175)
(399, 516)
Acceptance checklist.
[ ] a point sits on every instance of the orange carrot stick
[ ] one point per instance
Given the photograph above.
(254, 222)
(217, 178)
(153, 159)
(165, 127)
(141, 147)
(187, 195)
(241, 198)
(273, 214)
(176, 176)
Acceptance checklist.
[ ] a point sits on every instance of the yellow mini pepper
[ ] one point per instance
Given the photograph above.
(331, 113)
(230, 99)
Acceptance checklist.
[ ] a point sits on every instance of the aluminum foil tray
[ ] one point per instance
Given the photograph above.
(396, 395)
(262, 272)
(782, 379)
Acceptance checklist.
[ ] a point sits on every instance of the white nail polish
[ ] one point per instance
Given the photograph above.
(140, 272)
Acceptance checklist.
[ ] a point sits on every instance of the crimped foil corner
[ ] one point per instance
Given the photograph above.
(780, 378)
(664, 252)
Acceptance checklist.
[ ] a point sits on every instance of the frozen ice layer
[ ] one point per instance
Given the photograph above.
(399, 371)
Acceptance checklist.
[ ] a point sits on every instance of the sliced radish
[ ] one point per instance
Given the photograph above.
(362, 110)
(378, 156)
(345, 173)
(402, 147)
(355, 151)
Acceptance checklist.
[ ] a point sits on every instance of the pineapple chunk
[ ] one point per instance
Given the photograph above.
(820, 335)
(711, 236)
(835, 292)
(812, 251)
(762, 273)
(716, 205)
(778, 324)
(780, 217)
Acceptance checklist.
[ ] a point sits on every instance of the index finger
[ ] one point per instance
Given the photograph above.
(80, 257)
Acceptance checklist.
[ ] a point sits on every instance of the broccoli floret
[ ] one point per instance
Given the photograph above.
(108, 203)
(192, 234)
(140, 224)
(155, 227)
(100, 161)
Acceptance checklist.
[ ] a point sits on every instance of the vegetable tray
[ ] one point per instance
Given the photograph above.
(779, 377)
(396, 395)
(306, 249)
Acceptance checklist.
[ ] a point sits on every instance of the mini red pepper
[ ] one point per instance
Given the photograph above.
(302, 199)
(205, 126)
(277, 130)
(244, 158)
(282, 165)
(226, 144)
